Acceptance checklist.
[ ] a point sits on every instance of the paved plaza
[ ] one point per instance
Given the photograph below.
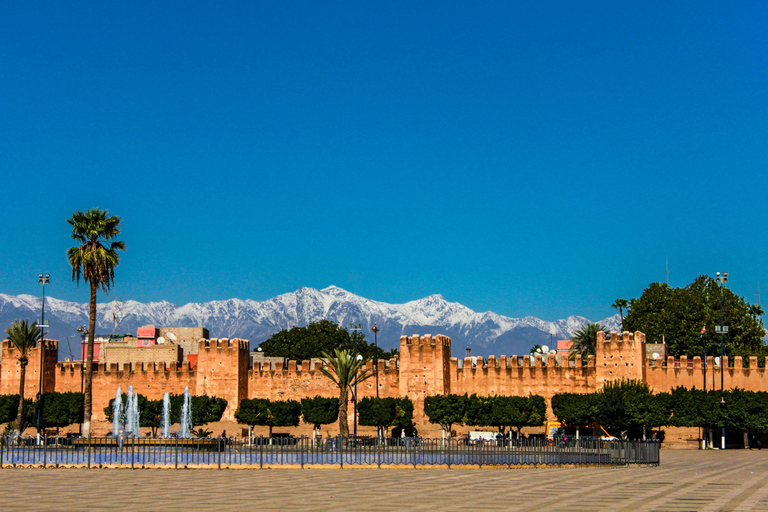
(732, 480)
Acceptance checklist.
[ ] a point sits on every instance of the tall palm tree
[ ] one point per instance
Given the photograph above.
(94, 259)
(585, 340)
(755, 310)
(344, 370)
(24, 337)
(621, 305)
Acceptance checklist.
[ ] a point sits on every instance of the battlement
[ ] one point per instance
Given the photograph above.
(48, 346)
(79, 366)
(522, 362)
(314, 365)
(223, 343)
(427, 339)
(625, 336)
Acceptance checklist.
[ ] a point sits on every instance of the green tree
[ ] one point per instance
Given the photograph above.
(677, 316)
(205, 409)
(319, 411)
(385, 412)
(585, 340)
(143, 404)
(621, 305)
(345, 371)
(629, 404)
(446, 410)
(9, 408)
(23, 336)
(94, 259)
(62, 409)
(9, 411)
(304, 343)
(574, 409)
(268, 413)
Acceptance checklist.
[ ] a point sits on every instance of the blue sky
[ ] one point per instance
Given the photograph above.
(528, 158)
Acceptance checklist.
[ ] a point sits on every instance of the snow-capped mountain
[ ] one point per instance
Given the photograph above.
(485, 333)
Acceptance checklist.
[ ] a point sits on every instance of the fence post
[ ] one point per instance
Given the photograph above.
(89, 450)
(219, 442)
(341, 452)
(45, 452)
(261, 452)
(301, 452)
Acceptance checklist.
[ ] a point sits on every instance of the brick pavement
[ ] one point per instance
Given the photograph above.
(733, 480)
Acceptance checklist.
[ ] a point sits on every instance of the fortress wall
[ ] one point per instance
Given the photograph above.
(222, 369)
(515, 376)
(665, 378)
(150, 380)
(621, 357)
(424, 368)
(294, 382)
(10, 368)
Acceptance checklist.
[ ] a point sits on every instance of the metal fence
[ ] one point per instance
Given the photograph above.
(333, 451)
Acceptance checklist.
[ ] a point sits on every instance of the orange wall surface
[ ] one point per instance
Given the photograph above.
(424, 367)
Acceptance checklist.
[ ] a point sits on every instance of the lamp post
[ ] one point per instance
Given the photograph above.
(376, 359)
(83, 330)
(42, 279)
(354, 328)
(722, 280)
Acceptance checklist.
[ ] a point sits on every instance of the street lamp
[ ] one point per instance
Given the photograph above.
(722, 280)
(376, 359)
(83, 330)
(354, 328)
(42, 279)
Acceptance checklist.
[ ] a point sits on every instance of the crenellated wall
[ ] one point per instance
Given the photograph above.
(691, 373)
(150, 380)
(425, 367)
(10, 368)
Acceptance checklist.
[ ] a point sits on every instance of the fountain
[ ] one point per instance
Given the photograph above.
(117, 412)
(166, 416)
(186, 415)
(132, 414)
(126, 423)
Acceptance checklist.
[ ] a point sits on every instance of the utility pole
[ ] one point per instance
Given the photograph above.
(42, 279)
(722, 280)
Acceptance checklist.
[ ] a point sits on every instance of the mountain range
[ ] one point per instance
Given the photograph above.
(486, 333)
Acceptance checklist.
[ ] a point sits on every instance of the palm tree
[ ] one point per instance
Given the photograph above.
(95, 259)
(585, 340)
(24, 337)
(344, 370)
(621, 305)
(755, 310)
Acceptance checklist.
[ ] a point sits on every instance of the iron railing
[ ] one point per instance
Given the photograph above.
(334, 451)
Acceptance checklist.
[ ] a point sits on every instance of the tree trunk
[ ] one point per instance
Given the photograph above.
(22, 377)
(343, 425)
(88, 385)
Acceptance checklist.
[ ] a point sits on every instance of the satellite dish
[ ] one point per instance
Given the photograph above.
(717, 361)
(171, 336)
(160, 340)
(544, 349)
(656, 355)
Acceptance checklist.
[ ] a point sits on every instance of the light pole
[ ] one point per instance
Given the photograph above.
(704, 431)
(376, 370)
(42, 279)
(354, 328)
(376, 359)
(722, 280)
(83, 330)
